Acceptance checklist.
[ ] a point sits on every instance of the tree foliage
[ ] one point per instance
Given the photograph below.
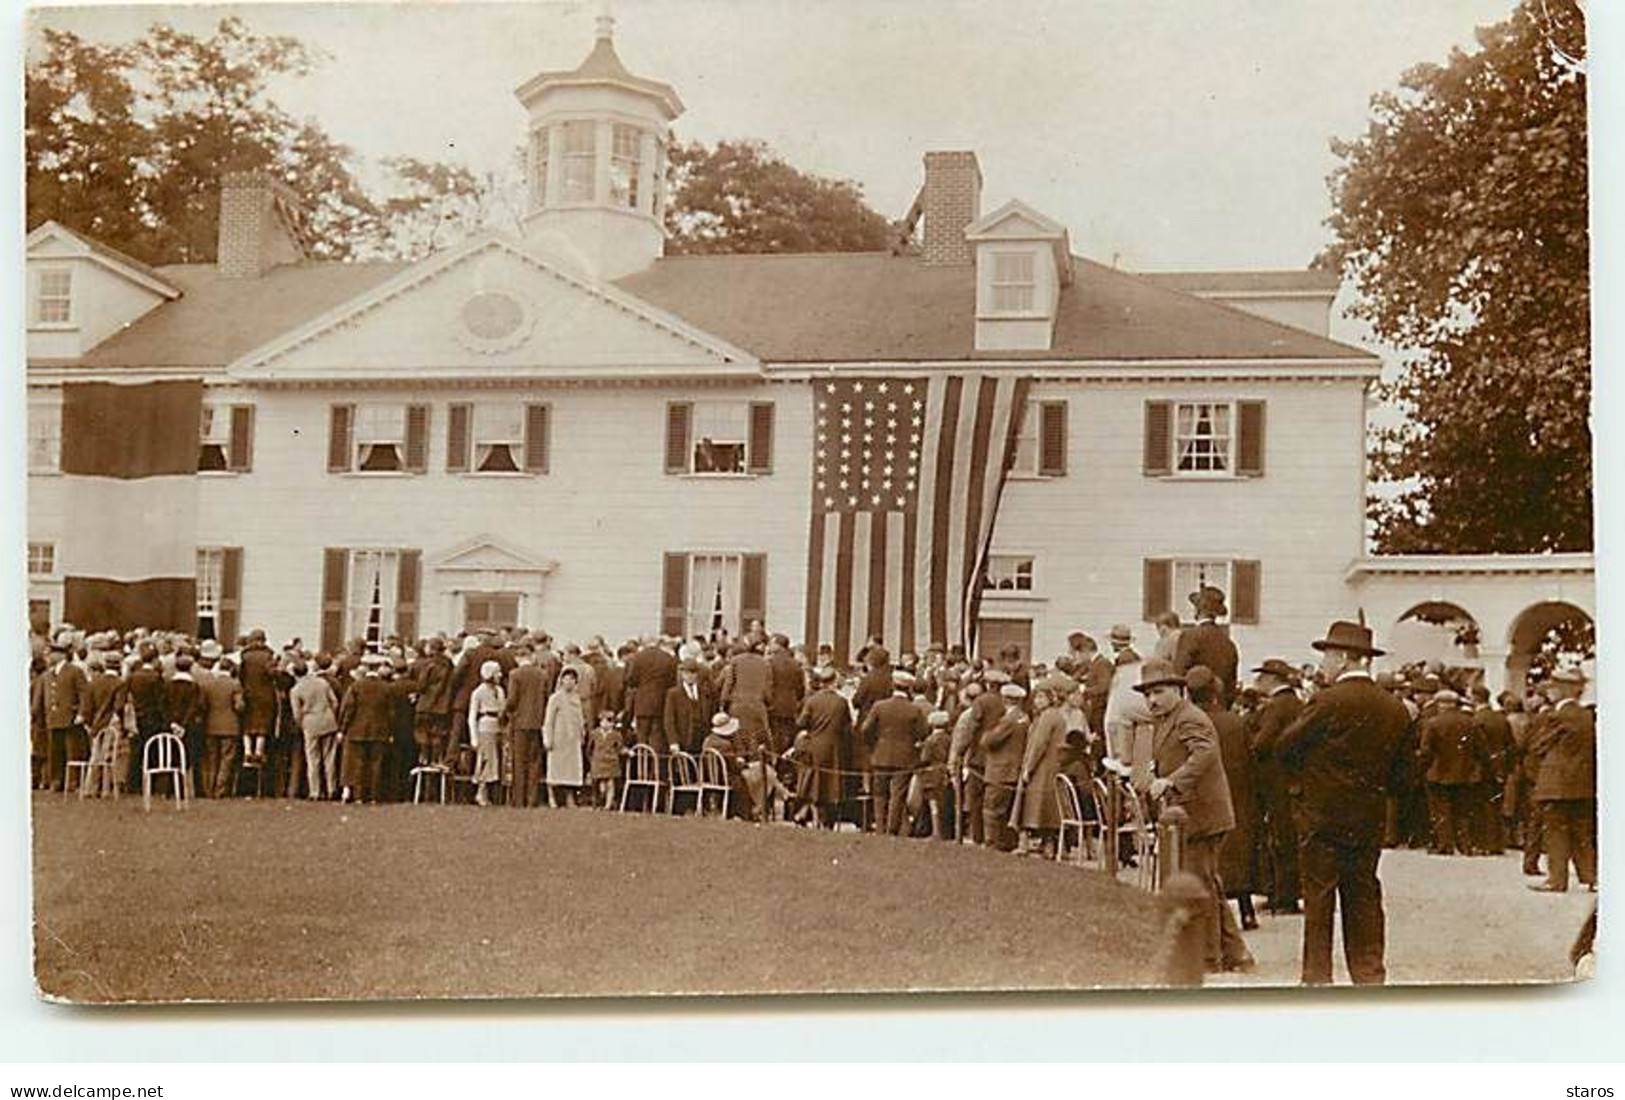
(739, 196)
(1461, 216)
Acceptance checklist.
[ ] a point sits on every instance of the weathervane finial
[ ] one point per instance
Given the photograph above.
(606, 21)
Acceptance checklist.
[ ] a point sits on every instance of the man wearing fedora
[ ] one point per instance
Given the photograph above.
(1208, 643)
(1280, 708)
(1453, 762)
(893, 729)
(1188, 772)
(1341, 756)
(62, 707)
(1566, 785)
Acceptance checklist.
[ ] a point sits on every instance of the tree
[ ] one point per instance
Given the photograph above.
(1461, 216)
(741, 197)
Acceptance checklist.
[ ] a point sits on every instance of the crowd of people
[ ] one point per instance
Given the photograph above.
(1291, 783)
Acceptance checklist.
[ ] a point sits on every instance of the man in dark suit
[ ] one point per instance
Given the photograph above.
(146, 692)
(1208, 643)
(650, 675)
(827, 719)
(1452, 760)
(893, 729)
(365, 723)
(222, 698)
(528, 689)
(431, 717)
(256, 672)
(1566, 789)
(64, 704)
(1490, 810)
(1095, 672)
(1340, 757)
(1004, 746)
(1280, 709)
(686, 712)
(787, 687)
(183, 711)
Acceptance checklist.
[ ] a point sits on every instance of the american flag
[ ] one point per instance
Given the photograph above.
(907, 475)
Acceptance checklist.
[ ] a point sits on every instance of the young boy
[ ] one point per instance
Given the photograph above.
(933, 776)
(608, 742)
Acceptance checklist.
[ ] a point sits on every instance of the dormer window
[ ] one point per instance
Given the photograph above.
(580, 161)
(625, 165)
(54, 303)
(1014, 282)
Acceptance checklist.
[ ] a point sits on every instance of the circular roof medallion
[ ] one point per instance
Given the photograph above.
(494, 320)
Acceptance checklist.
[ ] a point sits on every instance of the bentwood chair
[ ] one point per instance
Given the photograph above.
(684, 779)
(423, 775)
(1073, 822)
(642, 772)
(165, 754)
(714, 778)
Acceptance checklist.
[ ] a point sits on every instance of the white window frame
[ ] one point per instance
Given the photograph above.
(575, 158)
(45, 435)
(486, 431)
(712, 414)
(1187, 574)
(211, 580)
(625, 168)
(539, 160)
(214, 430)
(62, 297)
(1181, 436)
(1029, 456)
(368, 432)
(1004, 572)
(714, 577)
(358, 601)
(41, 559)
(1003, 282)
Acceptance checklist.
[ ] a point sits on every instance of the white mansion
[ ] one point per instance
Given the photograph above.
(566, 429)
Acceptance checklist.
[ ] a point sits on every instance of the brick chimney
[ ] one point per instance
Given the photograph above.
(951, 200)
(260, 225)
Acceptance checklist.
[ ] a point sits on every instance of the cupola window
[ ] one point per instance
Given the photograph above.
(580, 161)
(625, 165)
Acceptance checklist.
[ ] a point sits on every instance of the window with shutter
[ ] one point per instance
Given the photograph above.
(674, 595)
(407, 584)
(752, 591)
(761, 438)
(1052, 439)
(417, 439)
(338, 437)
(678, 416)
(242, 438)
(459, 419)
(1157, 588)
(214, 439)
(335, 567)
(1250, 438)
(1244, 591)
(537, 423)
(228, 616)
(1158, 439)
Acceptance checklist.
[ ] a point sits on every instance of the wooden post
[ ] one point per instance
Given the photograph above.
(1170, 844)
(1187, 899)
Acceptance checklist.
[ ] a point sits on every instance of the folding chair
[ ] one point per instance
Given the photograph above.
(642, 771)
(100, 767)
(165, 754)
(685, 779)
(1066, 793)
(714, 778)
(1143, 835)
(429, 772)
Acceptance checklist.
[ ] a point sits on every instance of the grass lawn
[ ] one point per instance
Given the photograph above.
(273, 900)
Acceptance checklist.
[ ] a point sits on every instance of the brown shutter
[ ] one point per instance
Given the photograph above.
(759, 452)
(1244, 576)
(537, 418)
(231, 595)
(1250, 438)
(674, 596)
(335, 566)
(679, 414)
(752, 590)
(339, 452)
(417, 439)
(241, 447)
(1159, 443)
(459, 421)
(1158, 591)
(408, 583)
(1052, 439)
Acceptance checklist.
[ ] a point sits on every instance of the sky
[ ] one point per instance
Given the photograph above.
(1164, 135)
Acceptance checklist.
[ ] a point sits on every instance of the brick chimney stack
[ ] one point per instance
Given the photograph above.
(952, 200)
(260, 225)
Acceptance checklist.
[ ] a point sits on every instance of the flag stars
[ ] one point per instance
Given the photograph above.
(857, 387)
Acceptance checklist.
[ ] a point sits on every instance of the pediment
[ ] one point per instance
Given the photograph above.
(489, 554)
(1015, 220)
(490, 309)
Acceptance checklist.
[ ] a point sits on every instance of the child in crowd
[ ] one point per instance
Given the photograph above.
(608, 743)
(933, 775)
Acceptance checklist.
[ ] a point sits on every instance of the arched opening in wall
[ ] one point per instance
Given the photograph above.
(1547, 636)
(1441, 635)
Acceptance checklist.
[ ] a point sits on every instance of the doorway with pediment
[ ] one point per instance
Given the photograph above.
(487, 583)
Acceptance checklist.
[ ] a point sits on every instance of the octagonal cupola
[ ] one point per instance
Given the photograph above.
(596, 162)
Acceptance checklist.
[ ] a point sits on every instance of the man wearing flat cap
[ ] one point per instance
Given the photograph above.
(1004, 746)
(894, 729)
(1566, 785)
(1342, 754)
(1453, 762)
(1281, 707)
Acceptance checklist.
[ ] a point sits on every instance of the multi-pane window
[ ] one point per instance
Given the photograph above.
(1191, 575)
(538, 168)
(214, 439)
(1202, 436)
(54, 304)
(659, 204)
(580, 161)
(721, 430)
(1028, 450)
(380, 437)
(1008, 573)
(625, 162)
(41, 559)
(1014, 282)
(714, 594)
(499, 437)
(44, 436)
(490, 610)
(372, 582)
(211, 576)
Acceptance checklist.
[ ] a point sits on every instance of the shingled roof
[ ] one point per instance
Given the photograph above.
(845, 307)
(1305, 281)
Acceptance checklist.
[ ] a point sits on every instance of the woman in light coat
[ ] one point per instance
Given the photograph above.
(485, 708)
(1040, 812)
(564, 728)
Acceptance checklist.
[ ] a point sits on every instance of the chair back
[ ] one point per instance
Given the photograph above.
(642, 765)
(164, 752)
(685, 770)
(713, 768)
(1066, 793)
